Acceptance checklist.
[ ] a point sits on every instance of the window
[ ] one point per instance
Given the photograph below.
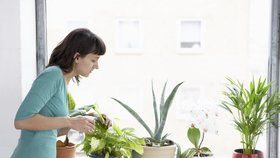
(190, 35)
(231, 40)
(128, 38)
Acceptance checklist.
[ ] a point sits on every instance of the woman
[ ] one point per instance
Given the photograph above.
(42, 116)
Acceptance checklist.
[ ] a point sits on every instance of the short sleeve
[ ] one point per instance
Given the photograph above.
(42, 90)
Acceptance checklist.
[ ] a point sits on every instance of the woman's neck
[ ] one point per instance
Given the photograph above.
(68, 77)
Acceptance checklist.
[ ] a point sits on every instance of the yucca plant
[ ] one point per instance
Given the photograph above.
(252, 109)
(156, 138)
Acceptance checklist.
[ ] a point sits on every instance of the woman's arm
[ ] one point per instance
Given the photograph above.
(39, 122)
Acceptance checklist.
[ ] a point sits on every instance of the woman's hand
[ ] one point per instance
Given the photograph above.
(82, 124)
(107, 120)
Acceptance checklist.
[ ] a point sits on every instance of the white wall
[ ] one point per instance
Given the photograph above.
(10, 80)
(17, 65)
(28, 44)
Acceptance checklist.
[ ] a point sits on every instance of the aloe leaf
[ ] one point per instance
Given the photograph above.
(165, 136)
(136, 116)
(165, 111)
(155, 108)
(162, 101)
(178, 153)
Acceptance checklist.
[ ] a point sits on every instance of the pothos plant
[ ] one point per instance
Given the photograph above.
(194, 136)
(82, 111)
(112, 141)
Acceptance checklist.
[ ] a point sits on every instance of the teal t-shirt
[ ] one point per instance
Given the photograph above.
(46, 97)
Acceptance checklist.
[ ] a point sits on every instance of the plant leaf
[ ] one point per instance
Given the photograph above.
(162, 100)
(155, 109)
(165, 110)
(189, 153)
(194, 136)
(136, 116)
(205, 150)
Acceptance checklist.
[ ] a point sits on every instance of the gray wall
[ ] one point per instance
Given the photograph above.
(10, 71)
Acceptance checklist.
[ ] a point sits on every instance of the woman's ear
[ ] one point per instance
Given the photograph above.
(76, 56)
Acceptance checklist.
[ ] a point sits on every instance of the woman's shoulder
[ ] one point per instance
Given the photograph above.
(52, 72)
(54, 69)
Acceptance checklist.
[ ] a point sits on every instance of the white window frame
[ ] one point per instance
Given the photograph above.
(129, 51)
(180, 50)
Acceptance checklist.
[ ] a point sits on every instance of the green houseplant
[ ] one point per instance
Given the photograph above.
(157, 139)
(66, 149)
(252, 109)
(111, 142)
(194, 136)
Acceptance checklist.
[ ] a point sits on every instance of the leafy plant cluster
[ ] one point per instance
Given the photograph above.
(252, 109)
(112, 141)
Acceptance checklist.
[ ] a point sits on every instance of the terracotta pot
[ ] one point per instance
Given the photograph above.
(66, 151)
(238, 153)
(157, 152)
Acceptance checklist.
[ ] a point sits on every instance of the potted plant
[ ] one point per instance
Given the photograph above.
(66, 149)
(111, 142)
(157, 145)
(194, 136)
(252, 109)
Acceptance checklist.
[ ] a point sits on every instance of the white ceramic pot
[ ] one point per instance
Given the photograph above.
(159, 152)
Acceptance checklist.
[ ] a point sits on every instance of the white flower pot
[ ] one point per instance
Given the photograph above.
(159, 152)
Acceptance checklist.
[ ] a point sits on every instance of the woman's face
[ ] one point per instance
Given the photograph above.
(85, 65)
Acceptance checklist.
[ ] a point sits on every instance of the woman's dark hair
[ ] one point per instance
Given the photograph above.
(79, 40)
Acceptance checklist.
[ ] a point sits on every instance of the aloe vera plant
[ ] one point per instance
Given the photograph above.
(252, 109)
(156, 138)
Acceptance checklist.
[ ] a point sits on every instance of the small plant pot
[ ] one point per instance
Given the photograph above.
(99, 156)
(238, 153)
(66, 151)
